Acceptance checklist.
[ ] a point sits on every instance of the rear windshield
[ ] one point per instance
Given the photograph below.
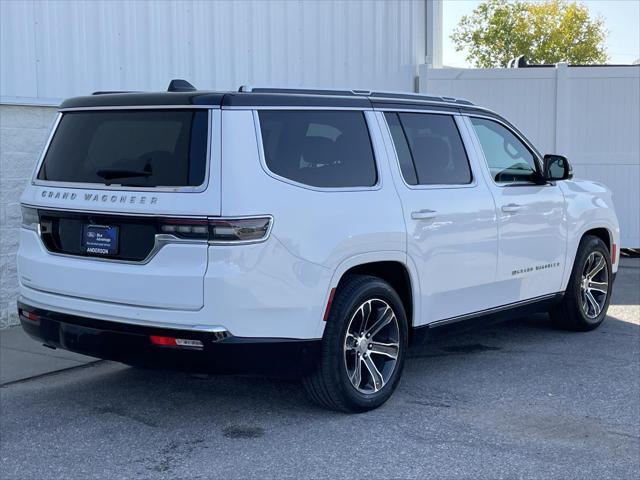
(139, 148)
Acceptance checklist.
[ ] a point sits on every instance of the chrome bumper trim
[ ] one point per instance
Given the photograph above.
(218, 330)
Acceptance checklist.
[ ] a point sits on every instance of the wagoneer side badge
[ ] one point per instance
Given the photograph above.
(101, 198)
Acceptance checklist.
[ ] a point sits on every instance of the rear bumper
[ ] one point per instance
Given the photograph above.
(131, 344)
(255, 290)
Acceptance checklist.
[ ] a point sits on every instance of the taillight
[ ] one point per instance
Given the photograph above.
(219, 230)
(239, 230)
(29, 315)
(186, 228)
(161, 341)
(30, 218)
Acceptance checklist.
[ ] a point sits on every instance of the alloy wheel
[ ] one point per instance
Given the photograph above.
(594, 286)
(371, 346)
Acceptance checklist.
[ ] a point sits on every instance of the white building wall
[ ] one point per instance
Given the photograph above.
(23, 132)
(589, 114)
(56, 49)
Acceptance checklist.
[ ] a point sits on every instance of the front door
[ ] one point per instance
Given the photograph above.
(531, 226)
(449, 215)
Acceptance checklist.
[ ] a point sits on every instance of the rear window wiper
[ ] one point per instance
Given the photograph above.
(112, 173)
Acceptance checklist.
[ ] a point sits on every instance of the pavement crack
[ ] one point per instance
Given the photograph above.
(120, 412)
(51, 374)
(242, 431)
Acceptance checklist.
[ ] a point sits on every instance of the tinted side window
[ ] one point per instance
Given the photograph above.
(436, 147)
(319, 148)
(402, 149)
(508, 158)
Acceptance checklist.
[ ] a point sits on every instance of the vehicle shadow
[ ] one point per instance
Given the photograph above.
(437, 374)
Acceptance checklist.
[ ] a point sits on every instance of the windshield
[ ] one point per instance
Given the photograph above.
(138, 148)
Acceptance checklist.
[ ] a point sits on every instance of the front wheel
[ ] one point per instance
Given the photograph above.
(363, 347)
(588, 293)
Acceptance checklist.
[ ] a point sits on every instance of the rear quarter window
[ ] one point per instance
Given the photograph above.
(327, 149)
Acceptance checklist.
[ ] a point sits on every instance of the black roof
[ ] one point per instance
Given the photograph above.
(128, 99)
(247, 97)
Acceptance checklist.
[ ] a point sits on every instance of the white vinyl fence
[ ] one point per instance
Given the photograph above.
(589, 114)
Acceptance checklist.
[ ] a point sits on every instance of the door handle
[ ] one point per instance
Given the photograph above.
(511, 208)
(425, 214)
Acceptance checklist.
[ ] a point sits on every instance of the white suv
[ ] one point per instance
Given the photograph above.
(299, 232)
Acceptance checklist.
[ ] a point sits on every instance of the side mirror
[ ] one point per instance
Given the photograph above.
(557, 167)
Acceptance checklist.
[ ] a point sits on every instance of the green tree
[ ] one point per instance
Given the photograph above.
(544, 32)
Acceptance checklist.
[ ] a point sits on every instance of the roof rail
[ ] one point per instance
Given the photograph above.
(359, 93)
(418, 97)
(295, 91)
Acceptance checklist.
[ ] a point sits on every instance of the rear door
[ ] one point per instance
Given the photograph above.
(122, 197)
(531, 225)
(449, 214)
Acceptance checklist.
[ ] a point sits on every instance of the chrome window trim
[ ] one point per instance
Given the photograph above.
(445, 186)
(263, 162)
(520, 137)
(115, 187)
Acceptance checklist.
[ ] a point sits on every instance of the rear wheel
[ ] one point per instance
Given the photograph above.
(363, 347)
(588, 293)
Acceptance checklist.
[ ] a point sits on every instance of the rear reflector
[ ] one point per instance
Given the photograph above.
(175, 342)
(614, 251)
(327, 311)
(30, 315)
(164, 341)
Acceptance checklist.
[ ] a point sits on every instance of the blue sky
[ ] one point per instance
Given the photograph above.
(622, 20)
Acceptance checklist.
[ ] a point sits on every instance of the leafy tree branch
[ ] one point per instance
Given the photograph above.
(544, 32)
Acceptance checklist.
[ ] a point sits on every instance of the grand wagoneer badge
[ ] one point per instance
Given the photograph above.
(101, 198)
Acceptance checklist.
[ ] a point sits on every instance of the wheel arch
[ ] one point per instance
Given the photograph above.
(602, 233)
(601, 230)
(391, 267)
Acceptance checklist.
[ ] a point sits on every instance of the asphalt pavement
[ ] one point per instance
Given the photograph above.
(519, 399)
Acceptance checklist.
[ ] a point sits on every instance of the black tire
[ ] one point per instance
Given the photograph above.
(570, 313)
(330, 385)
